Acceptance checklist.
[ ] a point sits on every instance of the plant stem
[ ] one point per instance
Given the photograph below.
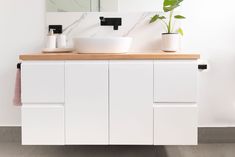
(164, 22)
(173, 27)
(170, 22)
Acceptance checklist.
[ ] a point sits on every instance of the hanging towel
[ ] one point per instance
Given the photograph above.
(17, 94)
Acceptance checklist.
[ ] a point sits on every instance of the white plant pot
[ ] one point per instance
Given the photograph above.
(170, 42)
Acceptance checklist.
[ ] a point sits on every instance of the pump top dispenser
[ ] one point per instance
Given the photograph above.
(51, 40)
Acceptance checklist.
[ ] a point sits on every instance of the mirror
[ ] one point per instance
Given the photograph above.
(102, 5)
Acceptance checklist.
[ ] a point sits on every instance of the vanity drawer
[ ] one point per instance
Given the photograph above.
(42, 82)
(175, 81)
(42, 124)
(175, 125)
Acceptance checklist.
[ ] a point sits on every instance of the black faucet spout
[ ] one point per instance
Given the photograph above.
(115, 27)
(115, 22)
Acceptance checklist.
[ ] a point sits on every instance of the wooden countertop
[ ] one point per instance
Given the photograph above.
(123, 56)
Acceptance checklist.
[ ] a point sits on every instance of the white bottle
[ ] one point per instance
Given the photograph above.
(61, 41)
(51, 40)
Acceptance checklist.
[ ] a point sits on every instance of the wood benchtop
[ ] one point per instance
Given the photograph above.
(121, 56)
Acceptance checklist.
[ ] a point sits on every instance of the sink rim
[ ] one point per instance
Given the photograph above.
(102, 44)
(102, 38)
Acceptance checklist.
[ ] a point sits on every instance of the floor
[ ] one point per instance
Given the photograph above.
(10, 146)
(12, 149)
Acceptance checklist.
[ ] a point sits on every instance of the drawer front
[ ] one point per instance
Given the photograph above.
(42, 82)
(42, 125)
(175, 81)
(175, 125)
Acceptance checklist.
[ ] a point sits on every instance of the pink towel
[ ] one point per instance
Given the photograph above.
(17, 95)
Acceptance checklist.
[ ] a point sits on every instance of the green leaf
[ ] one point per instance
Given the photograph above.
(162, 17)
(170, 8)
(156, 17)
(171, 2)
(180, 31)
(179, 17)
(170, 5)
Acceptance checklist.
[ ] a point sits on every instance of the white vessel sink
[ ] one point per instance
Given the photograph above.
(102, 44)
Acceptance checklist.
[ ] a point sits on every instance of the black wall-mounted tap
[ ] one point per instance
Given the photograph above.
(115, 22)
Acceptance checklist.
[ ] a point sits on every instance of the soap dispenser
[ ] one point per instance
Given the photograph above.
(51, 40)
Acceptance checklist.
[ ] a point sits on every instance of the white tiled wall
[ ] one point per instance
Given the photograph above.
(146, 36)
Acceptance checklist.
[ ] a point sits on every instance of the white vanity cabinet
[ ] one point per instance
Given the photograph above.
(131, 102)
(109, 102)
(42, 88)
(175, 108)
(87, 102)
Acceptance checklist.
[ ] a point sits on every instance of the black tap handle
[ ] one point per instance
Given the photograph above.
(101, 18)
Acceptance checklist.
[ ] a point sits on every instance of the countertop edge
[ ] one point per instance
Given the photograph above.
(124, 56)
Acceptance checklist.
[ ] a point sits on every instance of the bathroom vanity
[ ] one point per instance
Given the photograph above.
(109, 99)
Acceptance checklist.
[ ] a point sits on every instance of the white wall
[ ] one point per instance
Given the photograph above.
(21, 30)
(209, 29)
(139, 5)
(130, 5)
(108, 5)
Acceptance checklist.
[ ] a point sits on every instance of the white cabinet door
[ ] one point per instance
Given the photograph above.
(175, 81)
(86, 109)
(42, 125)
(131, 102)
(175, 125)
(42, 82)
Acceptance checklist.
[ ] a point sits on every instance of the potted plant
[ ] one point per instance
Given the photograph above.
(170, 39)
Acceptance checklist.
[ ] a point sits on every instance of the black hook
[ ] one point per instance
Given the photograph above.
(18, 66)
(202, 66)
